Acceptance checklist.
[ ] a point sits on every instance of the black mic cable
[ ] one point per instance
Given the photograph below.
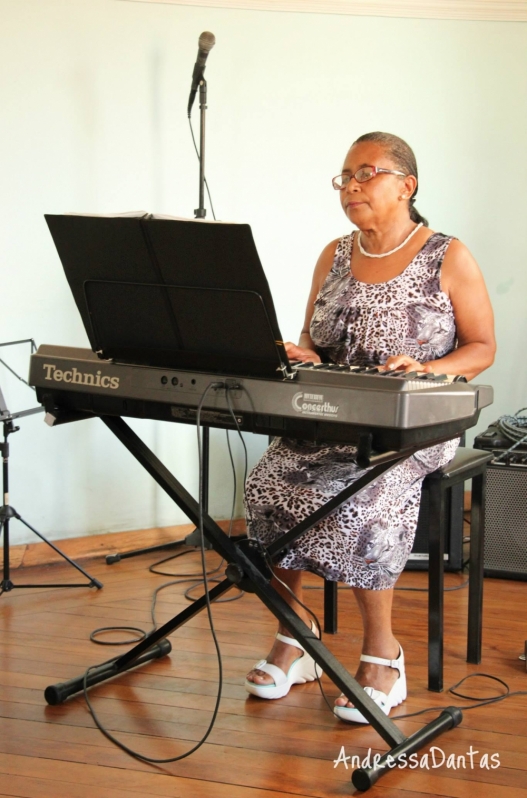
(205, 44)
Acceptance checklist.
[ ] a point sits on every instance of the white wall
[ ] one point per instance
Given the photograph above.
(93, 107)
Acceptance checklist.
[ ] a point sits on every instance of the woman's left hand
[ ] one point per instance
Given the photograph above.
(405, 363)
(301, 353)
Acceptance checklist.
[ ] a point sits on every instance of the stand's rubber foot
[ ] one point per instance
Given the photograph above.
(111, 558)
(364, 778)
(95, 583)
(58, 693)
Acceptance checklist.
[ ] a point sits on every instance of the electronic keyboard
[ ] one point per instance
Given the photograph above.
(317, 402)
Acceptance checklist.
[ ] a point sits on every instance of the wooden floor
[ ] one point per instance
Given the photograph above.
(257, 749)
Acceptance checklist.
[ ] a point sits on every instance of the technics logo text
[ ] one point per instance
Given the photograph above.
(80, 377)
(313, 404)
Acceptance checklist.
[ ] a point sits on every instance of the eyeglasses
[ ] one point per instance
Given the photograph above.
(362, 175)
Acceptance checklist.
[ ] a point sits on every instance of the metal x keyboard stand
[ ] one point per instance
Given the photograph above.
(247, 569)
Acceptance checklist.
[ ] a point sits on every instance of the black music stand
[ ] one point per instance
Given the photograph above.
(225, 286)
(166, 292)
(125, 272)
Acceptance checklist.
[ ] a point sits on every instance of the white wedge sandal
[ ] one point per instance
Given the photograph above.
(386, 702)
(304, 669)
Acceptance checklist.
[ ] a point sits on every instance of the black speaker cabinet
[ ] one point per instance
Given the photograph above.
(418, 560)
(506, 521)
(506, 506)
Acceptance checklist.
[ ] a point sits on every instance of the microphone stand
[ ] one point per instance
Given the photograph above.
(200, 212)
(194, 539)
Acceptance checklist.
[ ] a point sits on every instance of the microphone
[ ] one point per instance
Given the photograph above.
(205, 44)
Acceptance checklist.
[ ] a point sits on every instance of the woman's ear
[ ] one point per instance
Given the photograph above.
(410, 184)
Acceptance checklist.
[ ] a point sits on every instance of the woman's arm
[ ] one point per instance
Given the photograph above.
(305, 351)
(462, 281)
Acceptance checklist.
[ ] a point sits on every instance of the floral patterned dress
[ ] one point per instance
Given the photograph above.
(366, 542)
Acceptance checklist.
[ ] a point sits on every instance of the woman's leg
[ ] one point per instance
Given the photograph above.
(281, 654)
(378, 640)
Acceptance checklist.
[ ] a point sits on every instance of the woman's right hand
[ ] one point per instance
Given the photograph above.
(295, 352)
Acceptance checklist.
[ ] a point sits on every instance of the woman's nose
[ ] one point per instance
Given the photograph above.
(353, 186)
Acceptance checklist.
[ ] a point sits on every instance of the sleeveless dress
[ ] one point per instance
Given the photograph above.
(366, 542)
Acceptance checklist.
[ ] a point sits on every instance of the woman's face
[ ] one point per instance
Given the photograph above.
(378, 199)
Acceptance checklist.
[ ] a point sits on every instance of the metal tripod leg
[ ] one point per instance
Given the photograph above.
(7, 512)
(93, 582)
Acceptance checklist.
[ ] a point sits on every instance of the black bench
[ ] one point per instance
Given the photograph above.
(467, 464)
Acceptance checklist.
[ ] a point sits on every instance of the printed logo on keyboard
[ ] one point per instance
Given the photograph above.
(80, 377)
(313, 404)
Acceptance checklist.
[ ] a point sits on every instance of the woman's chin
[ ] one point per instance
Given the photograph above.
(356, 214)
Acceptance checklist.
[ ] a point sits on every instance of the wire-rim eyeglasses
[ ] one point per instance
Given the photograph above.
(362, 175)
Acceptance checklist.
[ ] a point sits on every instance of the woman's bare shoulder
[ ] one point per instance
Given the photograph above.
(458, 252)
(325, 260)
(459, 265)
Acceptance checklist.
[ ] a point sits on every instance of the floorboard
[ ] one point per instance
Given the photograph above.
(257, 749)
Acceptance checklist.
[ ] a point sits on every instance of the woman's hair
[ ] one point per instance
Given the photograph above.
(403, 157)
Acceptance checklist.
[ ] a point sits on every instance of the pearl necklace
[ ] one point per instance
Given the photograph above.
(385, 254)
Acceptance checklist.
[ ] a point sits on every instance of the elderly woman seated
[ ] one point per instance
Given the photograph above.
(392, 293)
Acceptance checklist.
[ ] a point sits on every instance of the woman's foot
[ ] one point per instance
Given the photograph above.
(287, 664)
(385, 683)
(282, 655)
(380, 677)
